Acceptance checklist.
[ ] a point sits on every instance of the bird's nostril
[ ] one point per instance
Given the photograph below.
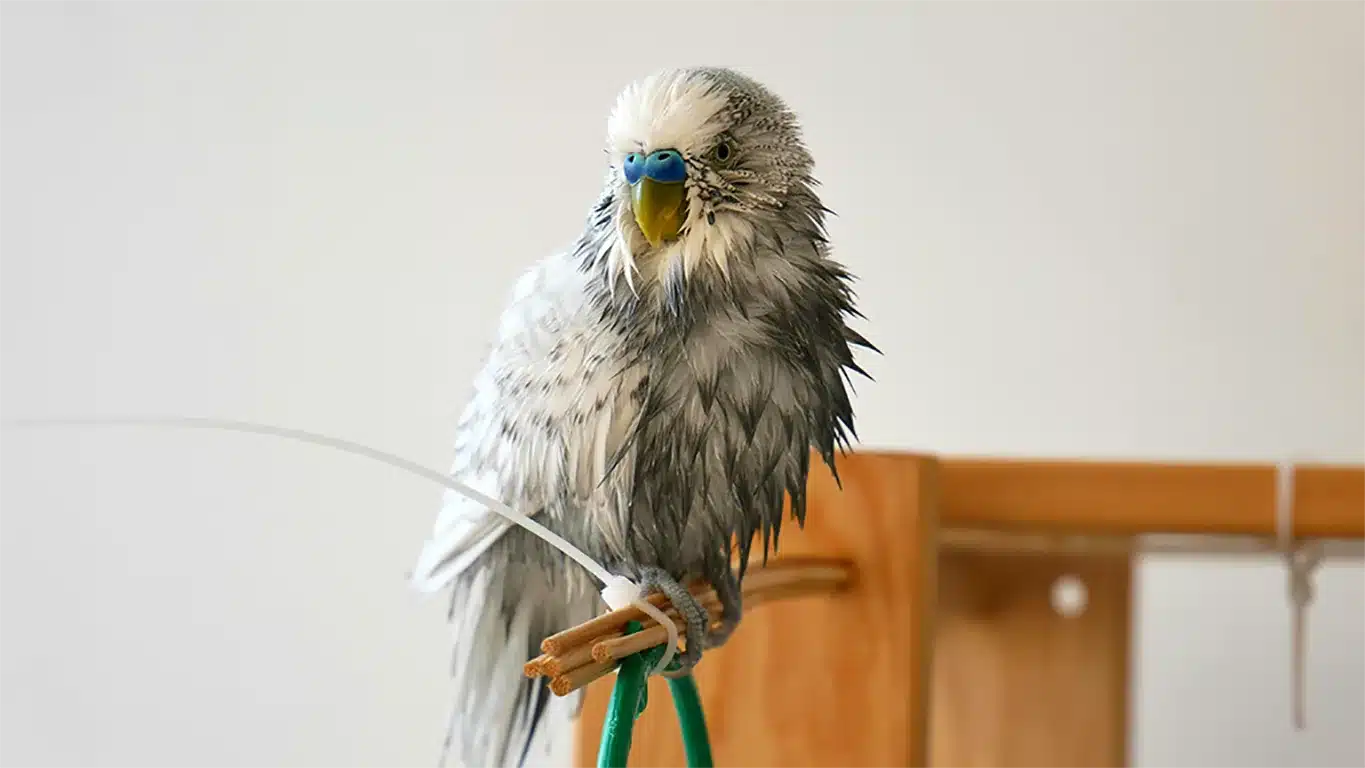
(665, 165)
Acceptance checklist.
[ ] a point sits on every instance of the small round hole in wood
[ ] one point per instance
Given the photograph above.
(1069, 596)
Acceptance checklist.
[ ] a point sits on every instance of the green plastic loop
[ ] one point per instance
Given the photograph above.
(628, 699)
(692, 720)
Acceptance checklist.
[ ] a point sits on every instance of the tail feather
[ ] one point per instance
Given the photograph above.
(501, 612)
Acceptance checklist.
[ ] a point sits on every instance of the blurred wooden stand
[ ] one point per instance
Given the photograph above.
(950, 649)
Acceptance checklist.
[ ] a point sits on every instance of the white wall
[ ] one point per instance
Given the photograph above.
(1098, 230)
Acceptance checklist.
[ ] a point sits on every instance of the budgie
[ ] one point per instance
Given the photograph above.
(652, 395)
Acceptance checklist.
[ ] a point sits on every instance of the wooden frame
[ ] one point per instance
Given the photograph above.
(939, 653)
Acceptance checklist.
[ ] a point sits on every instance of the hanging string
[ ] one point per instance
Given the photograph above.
(1301, 561)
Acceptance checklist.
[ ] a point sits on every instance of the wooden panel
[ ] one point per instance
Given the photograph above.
(836, 681)
(1017, 684)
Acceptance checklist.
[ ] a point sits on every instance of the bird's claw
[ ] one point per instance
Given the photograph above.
(731, 608)
(696, 620)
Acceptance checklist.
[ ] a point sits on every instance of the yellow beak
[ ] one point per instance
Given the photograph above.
(658, 209)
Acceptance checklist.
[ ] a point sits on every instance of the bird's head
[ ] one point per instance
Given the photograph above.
(704, 163)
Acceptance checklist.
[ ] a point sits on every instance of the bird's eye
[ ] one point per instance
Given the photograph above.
(723, 152)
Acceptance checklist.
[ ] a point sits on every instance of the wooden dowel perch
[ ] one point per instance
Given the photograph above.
(579, 655)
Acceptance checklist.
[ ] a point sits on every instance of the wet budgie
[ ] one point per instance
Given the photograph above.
(653, 394)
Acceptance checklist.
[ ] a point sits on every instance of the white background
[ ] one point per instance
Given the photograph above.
(1083, 230)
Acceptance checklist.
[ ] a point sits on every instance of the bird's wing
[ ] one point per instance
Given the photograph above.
(548, 432)
(549, 424)
(464, 530)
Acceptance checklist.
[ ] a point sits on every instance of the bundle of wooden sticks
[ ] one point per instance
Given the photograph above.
(579, 655)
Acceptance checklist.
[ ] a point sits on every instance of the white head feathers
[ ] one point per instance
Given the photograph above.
(695, 111)
(673, 109)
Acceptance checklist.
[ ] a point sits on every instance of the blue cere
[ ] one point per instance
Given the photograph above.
(634, 167)
(665, 165)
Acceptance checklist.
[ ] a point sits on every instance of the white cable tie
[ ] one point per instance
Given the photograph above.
(620, 592)
(617, 591)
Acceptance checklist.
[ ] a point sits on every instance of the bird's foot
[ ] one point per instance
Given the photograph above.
(694, 616)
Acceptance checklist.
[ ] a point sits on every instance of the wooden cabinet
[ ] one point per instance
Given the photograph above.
(949, 648)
